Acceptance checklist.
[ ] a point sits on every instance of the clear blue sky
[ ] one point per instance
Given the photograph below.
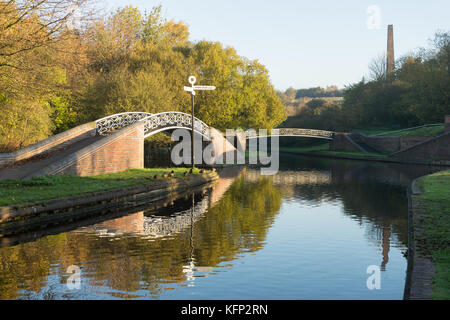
(307, 43)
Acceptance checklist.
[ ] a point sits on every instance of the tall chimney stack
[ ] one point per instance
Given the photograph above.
(390, 63)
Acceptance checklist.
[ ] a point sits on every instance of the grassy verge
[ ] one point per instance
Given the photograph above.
(419, 132)
(430, 131)
(323, 150)
(436, 201)
(53, 187)
(374, 131)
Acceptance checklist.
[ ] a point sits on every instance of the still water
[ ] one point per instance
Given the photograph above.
(309, 232)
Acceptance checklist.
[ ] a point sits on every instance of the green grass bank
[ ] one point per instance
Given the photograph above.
(428, 131)
(422, 131)
(54, 187)
(435, 199)
(323, 150)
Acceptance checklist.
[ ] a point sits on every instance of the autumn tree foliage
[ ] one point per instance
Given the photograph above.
(38, 53)
(62, 64)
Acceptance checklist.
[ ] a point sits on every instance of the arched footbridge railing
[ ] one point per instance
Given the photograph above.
(153, 123)
(118, 121)
(292, 132)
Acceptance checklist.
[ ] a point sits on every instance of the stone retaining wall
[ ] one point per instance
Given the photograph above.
(421, 268)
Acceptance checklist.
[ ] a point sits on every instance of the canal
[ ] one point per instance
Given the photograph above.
(309, 232)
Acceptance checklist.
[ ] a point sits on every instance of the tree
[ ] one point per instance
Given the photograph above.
(316, 103)
(134, 65)
(140, 70)
(244, 96)
(56, 73)
(26, 25)
(417, 93)
(290, 93)
(33, 61)
(377, 68)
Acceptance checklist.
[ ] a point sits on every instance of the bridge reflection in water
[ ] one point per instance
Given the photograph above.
(148, 253)
(293, 177)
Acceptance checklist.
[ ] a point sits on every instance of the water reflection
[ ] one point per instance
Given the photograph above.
(193, 246)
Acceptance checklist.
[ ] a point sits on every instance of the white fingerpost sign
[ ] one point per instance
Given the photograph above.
(192, 89)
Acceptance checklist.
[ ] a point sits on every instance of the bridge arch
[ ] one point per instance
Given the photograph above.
(153, 123)
(173, 120)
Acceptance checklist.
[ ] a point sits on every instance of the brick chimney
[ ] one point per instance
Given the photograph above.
(390, 62)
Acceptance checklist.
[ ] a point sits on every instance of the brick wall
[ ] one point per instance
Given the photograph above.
(434, 148)
(447, 123)
(387, 143)
(49, 145)
(119, 151)
(344, 142)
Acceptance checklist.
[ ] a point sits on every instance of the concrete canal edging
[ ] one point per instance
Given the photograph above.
(37, 215)
(421, 269)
